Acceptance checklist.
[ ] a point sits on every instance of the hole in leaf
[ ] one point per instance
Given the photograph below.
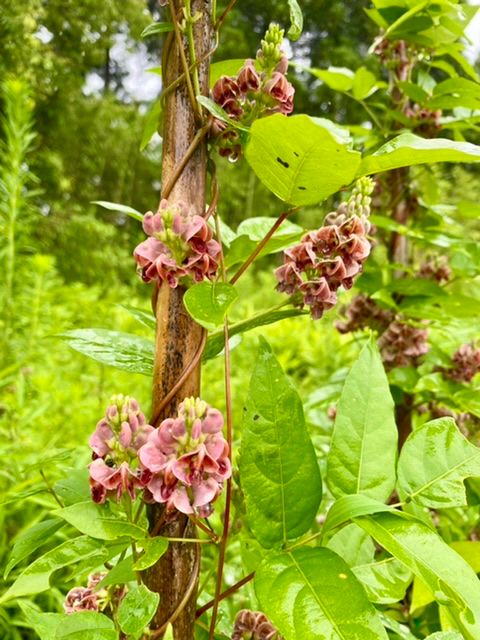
(283, 163)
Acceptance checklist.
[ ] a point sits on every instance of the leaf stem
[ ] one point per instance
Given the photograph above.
(225, 594)
(201, 133)
(181, 50)
(189, 20)
(229, 415)
(262, 244)
(51, 490)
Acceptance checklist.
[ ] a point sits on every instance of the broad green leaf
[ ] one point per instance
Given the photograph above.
(215, 341)
(36, 577)
(225, 68)
(85, 625)
(208, 302)
(31, 539)
(445, 635)
(137, 609)
(364, 83)
(44, 624)
(156, 27)
(312, 593)
(296, 20)
(121, 573)
(364, 443)
(277, 461)
(337, 78)
(348, 507)
(448, 576)
(299, 158)
(470, 552)
(153, 549)
(97, 521)
(74, 488)
(144, 317)
(408, 149)
(434, 462)
(121, 208)
(385, 581)
(353, 544)
(124, 351)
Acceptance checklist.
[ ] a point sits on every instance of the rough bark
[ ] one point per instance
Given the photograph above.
(178, 337)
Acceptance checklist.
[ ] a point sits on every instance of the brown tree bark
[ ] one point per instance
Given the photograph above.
(179, 339)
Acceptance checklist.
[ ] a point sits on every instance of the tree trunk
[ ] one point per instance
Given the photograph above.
(178, 337)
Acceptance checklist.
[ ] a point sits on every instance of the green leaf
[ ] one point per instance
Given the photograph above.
(385, 581)
(44, 624)
(349, 507)
(408, 149)
(215, 341)
(121, 573)
(337, 78)
(208, 302)
(448, 576)
(469, 550)
(312, 593)
(445, 635)
(31, 539)
(156, 27)
(434, 462)
(97, 521)
(296, 19)
(85, 625)
(74, 488)
(402, 632)
(363, 450)
(353, 544)
(225, 68)
(302, 160)
(217, 111)
(121, 208)
(36, 577)
(364, 83)
(137, 609)
(153, 549)
(277, 460)
(150, 126)
(144, 317)
(124, 351)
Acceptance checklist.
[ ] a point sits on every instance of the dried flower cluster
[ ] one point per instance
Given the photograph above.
(188, 458)
(254, 625)
(183, 463)
(115, 443)
(330, 257)
(179, 246)
(260, 89)
(90, 598)
(435, 269)
(402, 345)
(364, 312)
(466, 364)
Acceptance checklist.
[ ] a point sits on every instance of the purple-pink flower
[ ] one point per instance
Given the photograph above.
(180, 244)
(402, 345)
(466, 364)
(330, 257)
(90, 598)
(115, 443)
(187, 458)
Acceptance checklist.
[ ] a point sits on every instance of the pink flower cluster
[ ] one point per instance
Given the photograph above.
(402, 345)
(435, 269)
(330, 257)
(90, 598)
(466, 364)
(115, 443)
(180, 245)
(364, 312)
(187, 458)
(260, 89)
(254, 625)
